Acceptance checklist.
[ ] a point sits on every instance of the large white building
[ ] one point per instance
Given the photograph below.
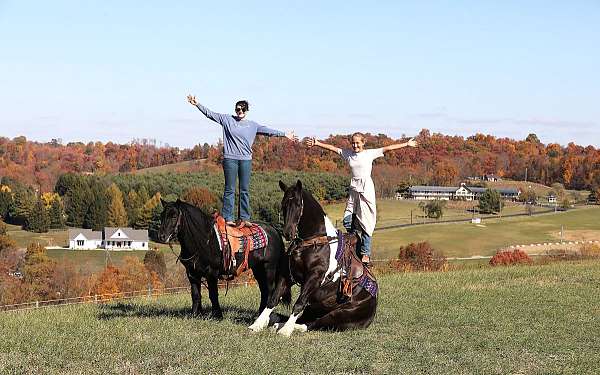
(110, 239)
(462, 192)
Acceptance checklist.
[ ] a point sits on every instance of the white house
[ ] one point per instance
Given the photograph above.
(84, 239)
(110, 239)
(462, 192)
(125, 239)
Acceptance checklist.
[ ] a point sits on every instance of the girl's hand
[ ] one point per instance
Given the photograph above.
(310, 141)
(412, 143)
(192, 100)
(291, 136)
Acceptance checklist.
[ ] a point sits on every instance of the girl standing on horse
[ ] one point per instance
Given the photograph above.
(361, 199)
(238, 137)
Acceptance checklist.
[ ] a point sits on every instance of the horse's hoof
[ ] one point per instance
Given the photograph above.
(255, 327)
(285, 332)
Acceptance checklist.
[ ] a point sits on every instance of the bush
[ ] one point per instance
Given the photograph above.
(507, 258)
(589, 250)
(419, 257)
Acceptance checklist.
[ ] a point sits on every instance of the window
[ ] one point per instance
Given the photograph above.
(80, 242)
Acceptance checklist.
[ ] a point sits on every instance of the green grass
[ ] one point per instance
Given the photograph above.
(466, 239)
(24, 238)
(519, 320)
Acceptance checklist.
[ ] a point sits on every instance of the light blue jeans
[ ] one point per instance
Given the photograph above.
(365, 239)
(234, 169)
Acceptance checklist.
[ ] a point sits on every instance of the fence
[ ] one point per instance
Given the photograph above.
(100, 298)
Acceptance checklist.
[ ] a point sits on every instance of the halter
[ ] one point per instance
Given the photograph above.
(176, 230)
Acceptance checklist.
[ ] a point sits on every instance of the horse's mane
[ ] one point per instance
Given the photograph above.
(199, 223)
(311, 202)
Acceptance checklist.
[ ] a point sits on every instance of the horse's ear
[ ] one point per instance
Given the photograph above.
(299, 185)
(282, 186)
(163, 202)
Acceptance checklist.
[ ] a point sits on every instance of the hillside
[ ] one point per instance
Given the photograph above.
(518, 320)
(187, 166)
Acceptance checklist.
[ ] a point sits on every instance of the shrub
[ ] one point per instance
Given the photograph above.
(419, 257)
(589, 250)
(507, 258)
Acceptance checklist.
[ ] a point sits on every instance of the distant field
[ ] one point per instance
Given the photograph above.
(393, 212)
(514, 320)
(24, 238)
(466, 239)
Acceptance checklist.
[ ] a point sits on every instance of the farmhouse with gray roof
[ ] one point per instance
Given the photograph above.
(110, 239)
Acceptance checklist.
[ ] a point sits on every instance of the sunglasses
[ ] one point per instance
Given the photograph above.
(239, 109)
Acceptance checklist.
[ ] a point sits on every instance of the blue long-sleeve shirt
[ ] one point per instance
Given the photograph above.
(238, 136)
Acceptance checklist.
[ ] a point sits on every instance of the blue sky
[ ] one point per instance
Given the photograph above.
(114, 70)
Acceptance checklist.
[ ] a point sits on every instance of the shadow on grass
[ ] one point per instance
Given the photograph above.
(235, 314)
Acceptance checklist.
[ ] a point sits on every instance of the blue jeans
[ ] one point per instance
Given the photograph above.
(365, 239)
(234, 169)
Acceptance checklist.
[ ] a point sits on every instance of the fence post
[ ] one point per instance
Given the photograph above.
(95, 298)
(37, 304)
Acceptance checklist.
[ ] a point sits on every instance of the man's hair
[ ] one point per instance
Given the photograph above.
(243, 104)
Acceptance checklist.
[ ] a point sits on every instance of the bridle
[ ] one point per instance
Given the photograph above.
(176, 231)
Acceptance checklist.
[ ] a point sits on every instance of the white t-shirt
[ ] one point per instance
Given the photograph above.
(361, 164)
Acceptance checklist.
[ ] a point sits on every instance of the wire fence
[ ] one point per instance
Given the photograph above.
(107, 297)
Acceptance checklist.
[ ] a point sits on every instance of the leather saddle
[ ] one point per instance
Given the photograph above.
(353, 271)
(236, 243)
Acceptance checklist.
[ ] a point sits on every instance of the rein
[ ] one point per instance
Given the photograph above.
(176, 231)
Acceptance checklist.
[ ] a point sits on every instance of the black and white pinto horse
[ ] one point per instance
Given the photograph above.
(313, 265)
(202, 258)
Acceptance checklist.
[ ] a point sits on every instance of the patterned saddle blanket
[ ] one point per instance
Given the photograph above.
(238, 241)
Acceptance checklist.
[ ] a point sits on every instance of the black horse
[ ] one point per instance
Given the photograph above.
(202, 257)
(313, 265)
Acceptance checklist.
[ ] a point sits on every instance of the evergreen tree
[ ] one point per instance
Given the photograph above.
(6, 201)
(57, 214)
(133, 207)
(96, 217)
(490, 201)
(77, 202)
(24, 200)
(154, 225)
(117, 217)
(38, 219)
(147, 213)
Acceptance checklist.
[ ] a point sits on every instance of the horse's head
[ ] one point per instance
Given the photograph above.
(292, 206)
(169, 221)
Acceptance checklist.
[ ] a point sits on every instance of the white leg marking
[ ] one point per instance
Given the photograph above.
(262, 321)
(289, 326)
(332, 232)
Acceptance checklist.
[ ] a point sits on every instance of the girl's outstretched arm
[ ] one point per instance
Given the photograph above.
(312, 141)
(411, 143)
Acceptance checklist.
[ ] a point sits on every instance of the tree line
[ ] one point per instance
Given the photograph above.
(439, 159)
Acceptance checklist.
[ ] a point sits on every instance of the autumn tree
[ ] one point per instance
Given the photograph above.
(200, 197)
(37, 269)
(154, 260)
(117, 216)
(133, 207)
(148, 212)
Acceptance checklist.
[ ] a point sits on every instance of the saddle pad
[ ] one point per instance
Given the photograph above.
(240, 239)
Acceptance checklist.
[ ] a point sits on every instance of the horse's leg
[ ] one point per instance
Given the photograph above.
(282, 289)
(213, 294)
(263, 285)
(356, 314)
(305, 291)
(196, 298)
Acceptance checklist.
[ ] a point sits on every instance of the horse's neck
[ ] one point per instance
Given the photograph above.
(193, 231)
(312, 222)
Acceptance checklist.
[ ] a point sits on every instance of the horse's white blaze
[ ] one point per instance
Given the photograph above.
(331, 232)
(289, 326)
(262, 321)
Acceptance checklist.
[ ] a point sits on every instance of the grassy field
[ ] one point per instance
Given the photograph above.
(24, 238)
(519, 320)
(466, 239)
